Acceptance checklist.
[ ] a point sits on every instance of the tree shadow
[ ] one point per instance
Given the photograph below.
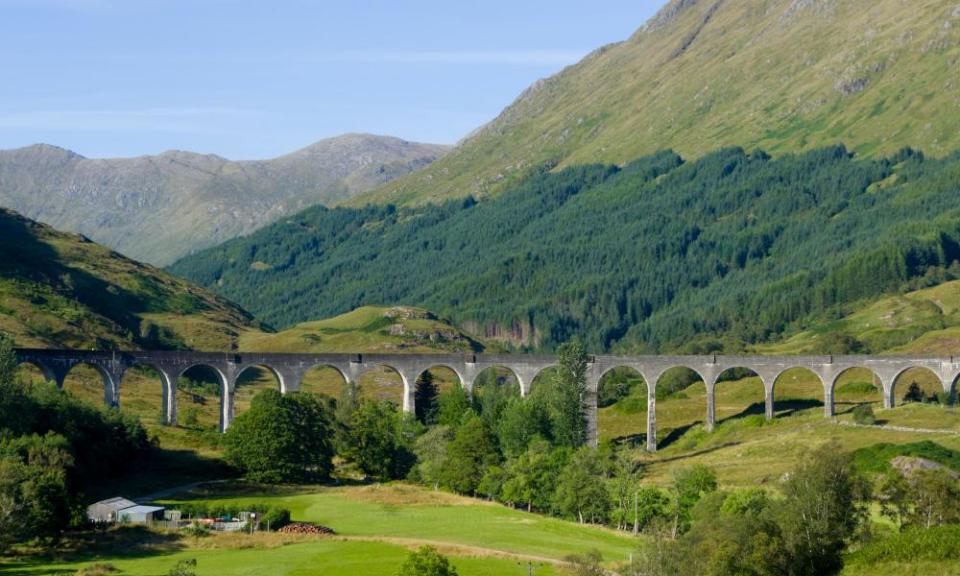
(124, 542)
(675, 435)
(781, 408)
(161, 469)
(790, 406)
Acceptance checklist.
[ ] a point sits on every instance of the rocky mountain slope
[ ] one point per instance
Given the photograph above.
(158, 208)
(783, 75)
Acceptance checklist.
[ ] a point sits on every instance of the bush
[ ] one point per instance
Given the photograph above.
(937, 544)
(98, 569)
(587, 564)
(857, 387)
(863, 414)
(427, 562)
(876, 458)
(274, 518)
(184, 568)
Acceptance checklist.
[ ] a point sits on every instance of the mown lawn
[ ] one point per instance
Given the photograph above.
(327, 556)
(406, 511)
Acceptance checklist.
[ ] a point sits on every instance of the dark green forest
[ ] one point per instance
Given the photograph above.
(662, 254)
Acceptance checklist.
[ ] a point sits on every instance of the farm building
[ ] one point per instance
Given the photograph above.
(106, 511)
(141, 514)
(122, 510)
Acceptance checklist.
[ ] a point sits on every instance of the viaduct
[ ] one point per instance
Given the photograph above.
(290, 368)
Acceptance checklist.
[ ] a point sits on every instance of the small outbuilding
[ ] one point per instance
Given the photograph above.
(107, 511)
(120, 509)
(141, 514)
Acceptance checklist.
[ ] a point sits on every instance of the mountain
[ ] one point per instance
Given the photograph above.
(59, 289)
(158, 208)
(732, 250)
(781, 75)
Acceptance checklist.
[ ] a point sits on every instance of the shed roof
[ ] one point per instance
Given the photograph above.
(141, 509)
(117, 503)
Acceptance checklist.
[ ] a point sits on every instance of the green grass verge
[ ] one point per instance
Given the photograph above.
(330, 557)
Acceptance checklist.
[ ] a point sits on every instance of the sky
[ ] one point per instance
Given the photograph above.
(244, 79)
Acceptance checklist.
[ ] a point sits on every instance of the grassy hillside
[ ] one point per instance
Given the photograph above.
(62, 290)
(158, 208)
(368, 329)
(925, 321)
(783, 75)
(734, 249)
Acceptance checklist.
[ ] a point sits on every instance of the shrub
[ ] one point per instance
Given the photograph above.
(587, 564)
(274, 518)
(876, 458)
(427, 562)
(863, 414)
(98, 569)
(936, 544)
(857, 387)
(184, 568)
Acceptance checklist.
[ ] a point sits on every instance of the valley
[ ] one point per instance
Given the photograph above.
(690, 304)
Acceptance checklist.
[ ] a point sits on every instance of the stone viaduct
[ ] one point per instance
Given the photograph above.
(290, 368)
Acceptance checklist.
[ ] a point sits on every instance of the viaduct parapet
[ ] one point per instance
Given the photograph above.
(289, 370)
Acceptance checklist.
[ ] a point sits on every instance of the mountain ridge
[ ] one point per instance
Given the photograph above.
(157, 208)
(781, 75)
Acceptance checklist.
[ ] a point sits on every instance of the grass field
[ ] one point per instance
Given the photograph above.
(375, 525)
(407, 511)
(264, 556)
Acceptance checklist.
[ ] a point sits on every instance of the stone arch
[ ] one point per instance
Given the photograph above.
(699, 376)
(790, 378)
(930, 375)
(536, 375)
(735, 373)
(168, 387)
(226, 392)
(504, 382)
(379, 388)
(49, 375)
(854, 388)
(427, 389)
(460, 377)
(509, 373)
(251, 379)
(324, 378)
(665, 369)
(625, 418)
(106, 380)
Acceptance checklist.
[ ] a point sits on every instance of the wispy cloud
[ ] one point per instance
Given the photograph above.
(190, 119)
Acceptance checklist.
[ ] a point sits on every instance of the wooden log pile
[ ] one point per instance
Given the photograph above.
(305, 528)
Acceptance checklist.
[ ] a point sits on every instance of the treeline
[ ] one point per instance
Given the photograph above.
(731, 249)
(53, 448)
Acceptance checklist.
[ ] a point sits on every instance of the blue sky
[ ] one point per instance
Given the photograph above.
(257, 79)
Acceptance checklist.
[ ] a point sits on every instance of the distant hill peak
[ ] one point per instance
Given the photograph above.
(161, 207)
